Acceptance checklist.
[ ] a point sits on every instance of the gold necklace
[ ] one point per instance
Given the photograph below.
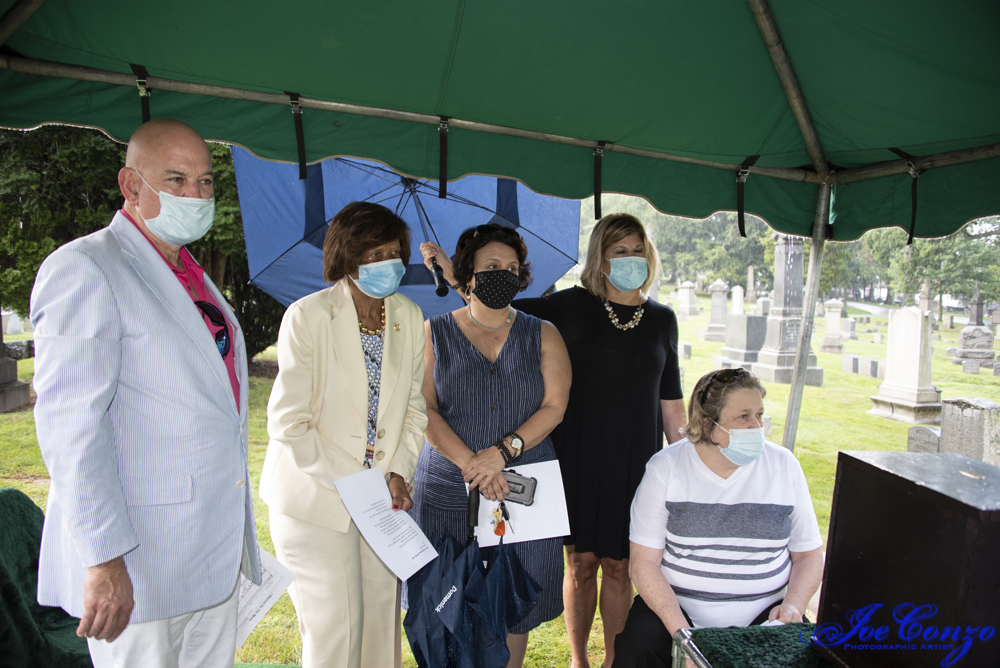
(373, 332)
(614, 318)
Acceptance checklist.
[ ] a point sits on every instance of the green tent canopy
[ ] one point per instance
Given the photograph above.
(688, 80)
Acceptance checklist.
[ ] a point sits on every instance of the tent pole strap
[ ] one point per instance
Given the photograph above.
(808, 309)
(17, 17)
(789, 82)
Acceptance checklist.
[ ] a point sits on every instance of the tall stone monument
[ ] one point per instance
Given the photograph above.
(717, 321)
(688, 301)
(975, 343)
(907, 394)
(776, 361)
(751, 294)
(832, 341)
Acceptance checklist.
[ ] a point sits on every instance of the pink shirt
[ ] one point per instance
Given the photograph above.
(192, 277)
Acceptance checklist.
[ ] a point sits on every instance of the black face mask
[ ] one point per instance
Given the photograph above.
(496, 289)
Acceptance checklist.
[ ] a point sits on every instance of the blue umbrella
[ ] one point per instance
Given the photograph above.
(285, 221)
(506, 594)
(425, 630)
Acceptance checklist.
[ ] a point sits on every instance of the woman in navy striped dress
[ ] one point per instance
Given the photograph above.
(496, 383)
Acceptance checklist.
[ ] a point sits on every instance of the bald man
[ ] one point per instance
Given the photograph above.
(141, 377)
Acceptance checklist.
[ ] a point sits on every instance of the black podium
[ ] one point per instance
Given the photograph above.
(909, 531)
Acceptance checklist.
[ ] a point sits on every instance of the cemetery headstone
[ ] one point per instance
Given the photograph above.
(736, 305)
(970, 366)
(751, 294)
(820, 310)
(763, 306)
(776, 360)
(879, 339)
(847, 328)
(14, 324)
(907, 394)
(684, 350)
(14, 393)
(975, 342)
(951, 321)
(717, 319)
(923, 439)
(971, 427)
(688, 301)
(832, 340)
(745, 336)
(849, 364)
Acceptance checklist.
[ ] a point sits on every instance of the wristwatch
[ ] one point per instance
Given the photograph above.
(516, 444)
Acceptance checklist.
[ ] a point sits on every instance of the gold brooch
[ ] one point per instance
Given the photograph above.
(396, 327)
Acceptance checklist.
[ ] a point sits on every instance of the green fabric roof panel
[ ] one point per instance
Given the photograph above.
(688, 79)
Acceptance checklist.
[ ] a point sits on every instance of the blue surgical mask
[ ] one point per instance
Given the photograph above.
(745, 445)
(628, 273)
(380, 279)
(181, 219)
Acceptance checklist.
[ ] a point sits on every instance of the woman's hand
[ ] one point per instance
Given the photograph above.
(400, 492)
(485, 471)
(429, 250)
(786, 612)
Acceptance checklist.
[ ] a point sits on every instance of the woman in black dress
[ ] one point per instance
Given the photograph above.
(626, 395)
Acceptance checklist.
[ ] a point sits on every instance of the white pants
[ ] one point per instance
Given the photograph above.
(201, 639)
(346, 599)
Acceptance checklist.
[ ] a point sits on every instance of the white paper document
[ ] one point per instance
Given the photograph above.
(546, 517)
(255, 601)
(392, 534)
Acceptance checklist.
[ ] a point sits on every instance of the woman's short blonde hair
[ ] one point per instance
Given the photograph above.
(709, 398)
(609, 230)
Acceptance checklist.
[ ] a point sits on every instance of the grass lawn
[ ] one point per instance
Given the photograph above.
(833, 418)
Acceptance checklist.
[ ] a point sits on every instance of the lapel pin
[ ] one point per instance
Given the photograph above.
(395, 327)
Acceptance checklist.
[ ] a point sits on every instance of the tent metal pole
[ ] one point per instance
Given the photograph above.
(892, 167)
(789, 81)
(16, 17)
(50, 69)
(921, 163)
(808, 309)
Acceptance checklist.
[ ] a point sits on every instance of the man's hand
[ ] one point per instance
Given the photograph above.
(400, 493)
(107, 601)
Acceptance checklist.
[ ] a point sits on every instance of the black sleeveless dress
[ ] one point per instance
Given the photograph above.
(613, 422)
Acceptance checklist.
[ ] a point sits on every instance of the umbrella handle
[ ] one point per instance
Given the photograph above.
(440, 285)
(472, 518)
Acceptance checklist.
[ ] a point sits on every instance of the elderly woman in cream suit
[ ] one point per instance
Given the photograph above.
(347, 397)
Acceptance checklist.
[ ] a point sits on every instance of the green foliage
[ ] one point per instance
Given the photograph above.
(56, 183)
(59, 183)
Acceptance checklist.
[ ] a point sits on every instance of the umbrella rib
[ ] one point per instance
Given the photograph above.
(271, 263)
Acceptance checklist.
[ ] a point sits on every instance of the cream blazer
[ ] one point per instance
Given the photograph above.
(317, 415)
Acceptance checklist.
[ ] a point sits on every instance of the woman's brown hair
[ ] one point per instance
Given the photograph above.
(358, 228)
(709, 397)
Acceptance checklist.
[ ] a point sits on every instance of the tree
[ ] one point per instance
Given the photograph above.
(58, 183)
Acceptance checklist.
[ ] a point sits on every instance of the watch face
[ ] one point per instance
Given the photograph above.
(517, 442)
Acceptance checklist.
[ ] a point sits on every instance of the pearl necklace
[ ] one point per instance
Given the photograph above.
(506, 322)
(614, 318)
(373, 332)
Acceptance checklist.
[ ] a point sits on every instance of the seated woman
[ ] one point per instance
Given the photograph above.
(723, 529)
(496, 383)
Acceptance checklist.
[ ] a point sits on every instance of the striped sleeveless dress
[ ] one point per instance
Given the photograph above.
(482, 401)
